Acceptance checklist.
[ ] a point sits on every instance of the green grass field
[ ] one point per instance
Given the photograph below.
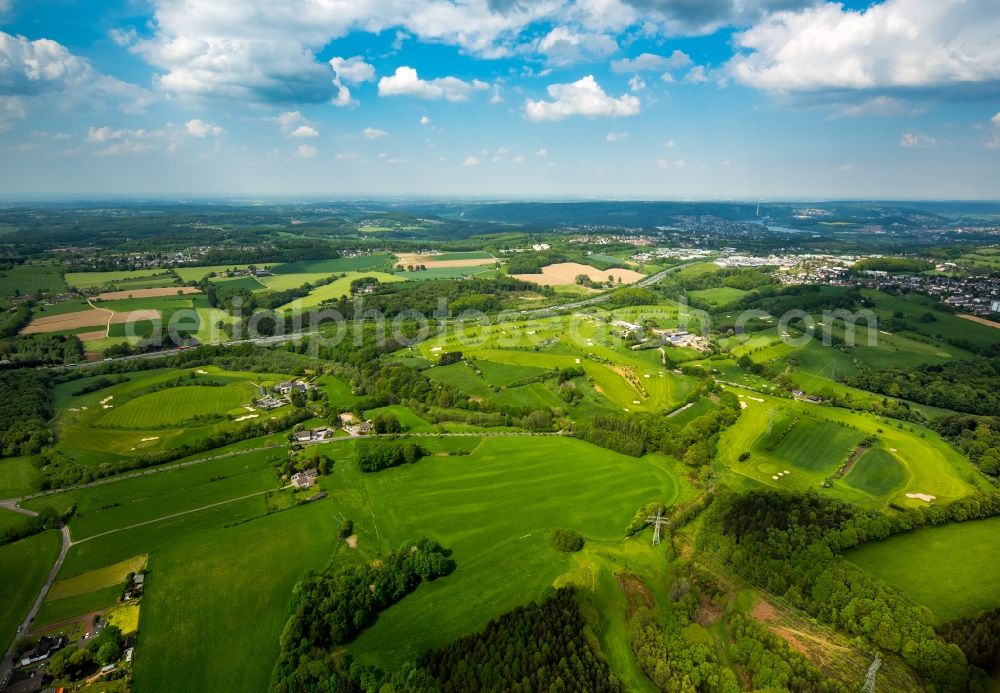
(23, 568)
(175, 404)
(931, 465)
(92, 280)
(817, 446)
(281, 282)
(30, 278)
(504, 374)
(407, 418)
(209, 568)
(376, 261)
(108, 576)
(621, 378)
(195, 274)
(249, 283)
(718, 296)
(56, 610)
(482, 271)
(877, 472)
(18, 475)
(336, 289)
(461, 376)
(953, 570)
(553, 482)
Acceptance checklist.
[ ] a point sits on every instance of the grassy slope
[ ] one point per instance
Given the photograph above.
(931, 465)
(953, 570)
(552, 483)
(23, 567)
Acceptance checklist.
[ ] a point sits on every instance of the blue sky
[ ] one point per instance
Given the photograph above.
(511, 98)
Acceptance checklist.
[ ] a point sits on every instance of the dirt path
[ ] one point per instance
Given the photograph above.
(981, 321)
(111, 314)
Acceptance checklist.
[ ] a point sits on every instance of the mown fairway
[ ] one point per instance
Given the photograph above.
(877, 472)
(817, 446)
(953, 570)
(23, 567)
(175, 404)
(930, 465)
(495, 509)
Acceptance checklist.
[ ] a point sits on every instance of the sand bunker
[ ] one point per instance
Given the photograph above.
(921, 496)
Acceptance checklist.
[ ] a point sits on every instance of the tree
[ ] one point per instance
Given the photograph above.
(108, 653)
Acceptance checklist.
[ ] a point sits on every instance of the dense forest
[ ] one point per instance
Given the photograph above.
(376, 455)
(24, 419)
(972, 387)
(538, 647)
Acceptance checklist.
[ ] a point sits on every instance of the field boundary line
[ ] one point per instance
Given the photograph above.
(169, 517)
(157, 469)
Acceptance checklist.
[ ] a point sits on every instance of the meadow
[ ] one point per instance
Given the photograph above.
(24, 566)
(93, 280)
(30, 278)
(246, 557)
(553, 482)
(195, 274)
(718, 296)
(336, 289)
(376, 261)
(953, 570)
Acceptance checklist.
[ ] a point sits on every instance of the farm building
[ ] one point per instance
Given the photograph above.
(305, 479)
(308, 435)
(286, 388)
(45, 648)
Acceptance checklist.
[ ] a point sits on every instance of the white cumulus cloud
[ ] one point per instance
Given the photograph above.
(374, 134)
(651, 62)
(406, 82)
(40, 69)
(353, 70)
(304, 131)
(564, 46)
(616, 136)
(585, 97)
(471, 161)
(304, 151)
(893, 44)
(200, 129)
(916, 140)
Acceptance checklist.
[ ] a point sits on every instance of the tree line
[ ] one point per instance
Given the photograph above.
(329, 610)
